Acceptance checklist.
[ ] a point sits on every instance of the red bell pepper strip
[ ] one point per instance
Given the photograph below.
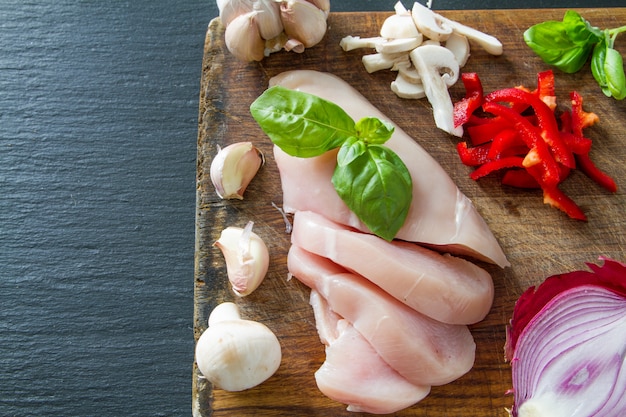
(519, 178)
(558, 199)
(545, 119)
(580, 118)
(472, 156)
(496, 165)
(473, 98)
(545, 88)
(531, 137)
(505, 141)
(590, 169)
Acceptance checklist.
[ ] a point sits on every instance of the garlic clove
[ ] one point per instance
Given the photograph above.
(268, 19)
(233, 168)
(247, 258)
(230, 9)
(323, 5)
(303, 21)
(243, 39)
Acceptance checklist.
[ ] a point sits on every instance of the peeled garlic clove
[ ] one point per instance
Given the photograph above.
(243, 39)
(247, 258)
(233, 168)
(303, 21)
(268, 19)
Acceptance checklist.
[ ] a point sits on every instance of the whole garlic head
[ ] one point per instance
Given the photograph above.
(247, 258)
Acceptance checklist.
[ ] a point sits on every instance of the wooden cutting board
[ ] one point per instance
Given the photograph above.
(538, 240)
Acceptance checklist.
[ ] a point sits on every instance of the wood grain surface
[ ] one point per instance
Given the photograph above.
(538, 240)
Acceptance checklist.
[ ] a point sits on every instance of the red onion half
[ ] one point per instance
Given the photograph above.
(567, 345)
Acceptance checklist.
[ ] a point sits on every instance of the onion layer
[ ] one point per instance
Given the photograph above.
(567, 345)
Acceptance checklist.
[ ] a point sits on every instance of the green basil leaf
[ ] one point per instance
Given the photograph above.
(301, 124)
(598, 58)
(377, 187)
(614, 70)
(350, 150)
(566, 44)
(373, 130)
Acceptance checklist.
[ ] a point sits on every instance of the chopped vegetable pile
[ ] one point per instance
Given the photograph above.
(567, 343)
(520, 132)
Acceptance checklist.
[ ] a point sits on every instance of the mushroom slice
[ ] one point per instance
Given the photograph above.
(404, 88)
(393, 46)
(431, 62)
(459, 45)
(431, 24)
(399, 26)
(380, 61)
(349, 43)
(489, 43)
(407, 70)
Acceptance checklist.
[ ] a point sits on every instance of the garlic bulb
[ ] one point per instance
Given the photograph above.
(233, 168)
(247, 258)
(292, 25)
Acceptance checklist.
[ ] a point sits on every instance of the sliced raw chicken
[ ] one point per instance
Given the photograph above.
(444, 287)
(439, 215)
(353, 373)
(422, 350)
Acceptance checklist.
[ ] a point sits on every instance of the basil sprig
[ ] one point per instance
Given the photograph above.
(567, 45)
(369, 177)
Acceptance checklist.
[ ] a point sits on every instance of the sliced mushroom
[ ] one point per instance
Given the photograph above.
(431, 62)
(431, 24)
(459, 45)
(379, 61)
(407, 70)
(405, 88)
(399, 26)
(394, 46)
(349, 43)
(489, 43)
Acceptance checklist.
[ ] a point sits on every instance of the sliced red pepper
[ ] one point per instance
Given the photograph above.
(531, 136)
(473, 98)
(558, 199)
(496, 165)
(487, 129)
(580, 118)
(519, 178)
(545, 88)
(505, 141)
(590, 169)
(473, 156)
(545, 119)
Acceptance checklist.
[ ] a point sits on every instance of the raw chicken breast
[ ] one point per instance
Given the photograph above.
(444, 287)
(439, 215)
(422, 350)
(353, 373)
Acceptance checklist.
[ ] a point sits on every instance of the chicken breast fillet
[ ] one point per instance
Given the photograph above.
(439, 215)
(421, 349)
(444, 287)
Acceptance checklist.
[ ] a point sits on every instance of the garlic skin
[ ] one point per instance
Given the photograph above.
(247, 258)
(236, 354)
(233, 168)
(243, 39)
(268, 19)
(303, 21)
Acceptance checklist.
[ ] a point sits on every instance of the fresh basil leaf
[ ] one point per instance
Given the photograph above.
(598, 57)
(301, 124)
(373, 130)
(566, 44)
(350, 150)
(614, 71)
(377, 187)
